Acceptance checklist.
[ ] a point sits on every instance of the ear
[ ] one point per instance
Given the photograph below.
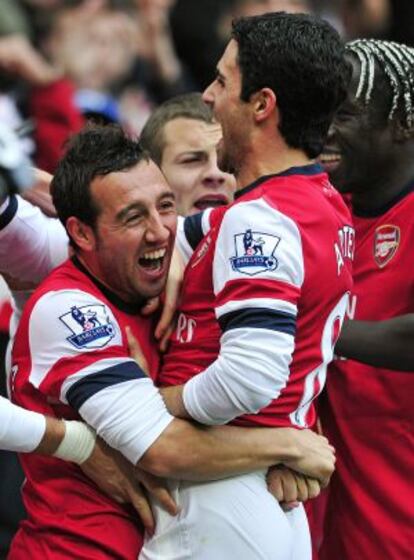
(82, 234)
(264, 104)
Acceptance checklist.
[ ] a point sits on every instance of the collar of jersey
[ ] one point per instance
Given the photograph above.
(376, 212)
(311, 169)
(129, 308)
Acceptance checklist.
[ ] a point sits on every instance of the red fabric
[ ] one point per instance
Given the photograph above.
(67, 516)
(5, 314)
(369, 415)
(56, 118)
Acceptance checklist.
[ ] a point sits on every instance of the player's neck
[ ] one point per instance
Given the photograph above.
(270, 159)
(386, 188)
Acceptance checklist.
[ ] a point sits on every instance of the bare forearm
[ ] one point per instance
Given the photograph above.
(387, 344)
(173, 398)
(193, 452)
(53, 436)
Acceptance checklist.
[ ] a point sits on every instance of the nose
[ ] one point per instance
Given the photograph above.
(157, 231)
(212, 175)
(208, 95)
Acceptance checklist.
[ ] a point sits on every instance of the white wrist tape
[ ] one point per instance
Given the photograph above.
(77, 444)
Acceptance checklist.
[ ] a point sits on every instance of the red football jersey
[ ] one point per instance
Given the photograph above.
(68, 517)
(369, 416)
(265, 293)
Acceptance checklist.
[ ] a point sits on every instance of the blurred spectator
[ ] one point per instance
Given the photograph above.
(364, 18)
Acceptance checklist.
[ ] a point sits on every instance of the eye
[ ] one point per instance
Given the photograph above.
(167, 205)
(133, 218)
(191, 159)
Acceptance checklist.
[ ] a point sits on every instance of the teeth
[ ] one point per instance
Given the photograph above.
(153, 255)
(330, 157)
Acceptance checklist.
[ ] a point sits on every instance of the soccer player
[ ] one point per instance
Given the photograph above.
(369, 414)
(71, 358)
(181, 137)
(266, 290)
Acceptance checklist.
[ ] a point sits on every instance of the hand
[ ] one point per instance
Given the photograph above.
(39, 194)
(117, 478)
(166, 324)
(135, 351)
(290, 487)
(157, 488)
(18, 57)
(316, 457)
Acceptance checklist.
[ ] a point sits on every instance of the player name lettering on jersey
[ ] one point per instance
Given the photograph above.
(346, 246)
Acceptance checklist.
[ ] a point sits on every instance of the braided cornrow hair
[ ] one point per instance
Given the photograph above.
(397, 63)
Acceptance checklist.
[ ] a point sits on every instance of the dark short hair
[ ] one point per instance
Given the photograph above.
(95, 151)
(186, 106)
(301, 58)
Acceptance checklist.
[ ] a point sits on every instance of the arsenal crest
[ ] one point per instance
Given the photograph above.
(386, 242)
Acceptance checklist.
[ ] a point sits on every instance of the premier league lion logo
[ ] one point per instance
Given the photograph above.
(90, 325)
(254, 252)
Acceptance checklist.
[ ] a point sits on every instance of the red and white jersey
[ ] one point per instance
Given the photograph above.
(264, 297)
(370, 414)
(71, 359)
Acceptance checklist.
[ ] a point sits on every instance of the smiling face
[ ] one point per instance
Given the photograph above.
(134, 233)
(223, 94)
(189, 162)
(361, 149)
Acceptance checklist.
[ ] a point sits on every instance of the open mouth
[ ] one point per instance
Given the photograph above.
(212, 201)
(330, 160)
(153, 261)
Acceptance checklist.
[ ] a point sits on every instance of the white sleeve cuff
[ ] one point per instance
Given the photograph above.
(21, 430)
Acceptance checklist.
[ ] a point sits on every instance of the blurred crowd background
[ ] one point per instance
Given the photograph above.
(63, 62)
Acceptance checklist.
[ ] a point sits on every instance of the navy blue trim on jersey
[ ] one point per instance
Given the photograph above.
(375, 212)
(7, 216)
(126, 307)
(193, 229)
(91, 384)
(309, 170)
(259, 318)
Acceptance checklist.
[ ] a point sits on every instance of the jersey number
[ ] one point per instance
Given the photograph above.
(315, 380)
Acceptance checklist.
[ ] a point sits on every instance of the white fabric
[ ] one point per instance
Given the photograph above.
(129, 416)
(239, 382)
(48, 334)
(234, 518)
(264, 303)
(181, 241)
(20, 430)
(39, 244)
(77, 443)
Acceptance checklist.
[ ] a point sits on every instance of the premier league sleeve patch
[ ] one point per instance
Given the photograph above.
(90, 326)
(254, 252)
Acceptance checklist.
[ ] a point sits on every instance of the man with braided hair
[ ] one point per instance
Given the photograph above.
(368, 413)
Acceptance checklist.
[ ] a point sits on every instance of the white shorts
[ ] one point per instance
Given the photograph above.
(236, 518)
